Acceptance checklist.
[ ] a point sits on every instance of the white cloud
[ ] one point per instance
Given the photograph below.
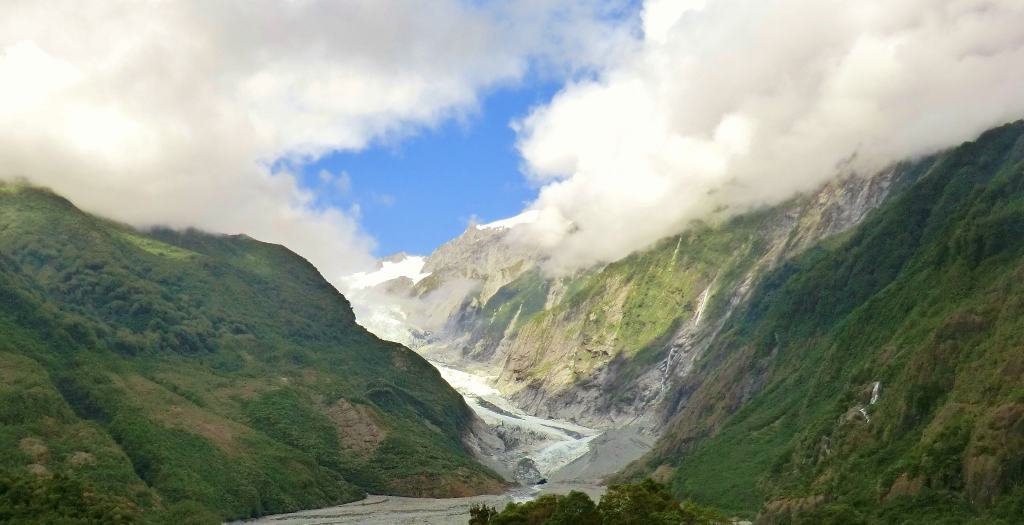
(173, 112)
(739, 103)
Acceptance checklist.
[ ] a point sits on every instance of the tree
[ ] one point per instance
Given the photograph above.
(696, 514)
(480, 514)
(576, 508)
(644, 503)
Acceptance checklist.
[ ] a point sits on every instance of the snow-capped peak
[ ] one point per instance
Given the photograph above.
(526, 217)
(410, 266)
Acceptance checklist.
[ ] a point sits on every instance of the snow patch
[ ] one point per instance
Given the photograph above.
(527, 217)
(410, 266)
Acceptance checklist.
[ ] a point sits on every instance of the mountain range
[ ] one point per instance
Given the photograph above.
(851, 355)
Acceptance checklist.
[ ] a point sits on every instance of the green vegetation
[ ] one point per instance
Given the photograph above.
(623, 315)
(31, 499)
(516, 302)
(924, 297)
(644, 503)
(181, 374)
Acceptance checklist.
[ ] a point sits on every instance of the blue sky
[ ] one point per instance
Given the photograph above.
(419, 191)
(414, 194)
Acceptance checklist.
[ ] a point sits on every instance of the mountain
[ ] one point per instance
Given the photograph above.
(602, 347)
(437, 300)
(851, 354)
(160, 374)
(877, 376)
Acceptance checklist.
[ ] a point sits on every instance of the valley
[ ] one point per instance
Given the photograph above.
(724, 362)
(460, 262)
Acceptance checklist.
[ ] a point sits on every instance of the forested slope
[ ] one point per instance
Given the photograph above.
(216, 376)
(878, 377)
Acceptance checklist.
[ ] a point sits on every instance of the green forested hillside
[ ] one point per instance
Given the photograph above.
(173, 374)
(923, 305)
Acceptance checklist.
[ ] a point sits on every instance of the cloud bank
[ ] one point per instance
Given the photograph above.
(724, 105)
(182, 113)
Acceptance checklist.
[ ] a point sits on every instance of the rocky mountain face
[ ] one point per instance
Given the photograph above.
(605, 347)
(609, 346)
(186, 375)
(481, 262)
(435, 305)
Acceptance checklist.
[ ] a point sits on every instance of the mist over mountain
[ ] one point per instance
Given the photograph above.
(700, 110)
(723, 106)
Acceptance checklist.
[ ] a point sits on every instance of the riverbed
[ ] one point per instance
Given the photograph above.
(393, 510)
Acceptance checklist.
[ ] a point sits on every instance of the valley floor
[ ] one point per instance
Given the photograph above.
(392, 510)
